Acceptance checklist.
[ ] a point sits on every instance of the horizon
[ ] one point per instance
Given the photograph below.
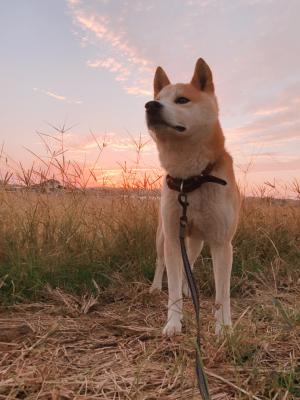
(91, 64)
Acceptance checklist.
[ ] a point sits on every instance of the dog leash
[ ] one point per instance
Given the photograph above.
(186, 186)
(201, 377)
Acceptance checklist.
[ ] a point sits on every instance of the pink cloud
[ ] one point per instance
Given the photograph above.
(270, 111)
(276, 120)
(114, 142)
(50, 94)
(99, 25)
(124, 59)
(56, 96)
(137, 91)
(274, 165)
(111, 65)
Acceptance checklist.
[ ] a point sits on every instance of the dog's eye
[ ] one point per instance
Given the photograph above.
(181, 100)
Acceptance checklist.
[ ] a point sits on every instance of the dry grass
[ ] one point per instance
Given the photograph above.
(64, 349)
(77, 321)
(81, 324)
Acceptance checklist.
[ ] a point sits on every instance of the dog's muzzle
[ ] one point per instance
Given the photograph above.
(152, 107)
(154, 117)
(153, 113)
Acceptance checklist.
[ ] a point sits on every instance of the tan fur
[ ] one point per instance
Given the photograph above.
(213, 209)
(160, 80)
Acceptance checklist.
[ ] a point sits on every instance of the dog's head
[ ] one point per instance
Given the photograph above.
(183, 109)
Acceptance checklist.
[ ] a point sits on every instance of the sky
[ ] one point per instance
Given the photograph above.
(89, 65)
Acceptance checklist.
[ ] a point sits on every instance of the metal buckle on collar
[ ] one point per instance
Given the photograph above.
(181, 185)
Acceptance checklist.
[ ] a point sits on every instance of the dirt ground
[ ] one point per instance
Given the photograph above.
(110, 347)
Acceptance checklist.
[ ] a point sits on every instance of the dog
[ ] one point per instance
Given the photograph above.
(183, 121)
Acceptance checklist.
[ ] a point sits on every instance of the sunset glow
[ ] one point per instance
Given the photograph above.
(89, 65)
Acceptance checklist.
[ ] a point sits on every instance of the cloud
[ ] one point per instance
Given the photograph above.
(268, 141)
(201, 3)
(277, 120)
(138, 91)
(73, 2)
(50, 94)
(56, 96)
(99, 25)
(275, 165)
(270, 111)
(110, 36)
(112, 65)
(114, 142)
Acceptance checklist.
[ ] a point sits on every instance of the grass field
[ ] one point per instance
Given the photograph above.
(77, 320)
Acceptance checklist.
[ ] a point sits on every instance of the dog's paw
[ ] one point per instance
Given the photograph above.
(172, 328)
(185, 289)
(222, 330)
(155, 287)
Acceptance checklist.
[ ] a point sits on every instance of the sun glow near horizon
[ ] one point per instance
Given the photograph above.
(97, 161)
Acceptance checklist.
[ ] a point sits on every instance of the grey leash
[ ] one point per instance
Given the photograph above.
(201, 377)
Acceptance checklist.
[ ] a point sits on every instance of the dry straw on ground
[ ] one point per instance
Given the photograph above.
(113, 349)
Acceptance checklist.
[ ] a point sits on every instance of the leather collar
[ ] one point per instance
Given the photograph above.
(194, 182)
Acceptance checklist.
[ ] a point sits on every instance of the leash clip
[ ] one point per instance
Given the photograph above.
(182, 198)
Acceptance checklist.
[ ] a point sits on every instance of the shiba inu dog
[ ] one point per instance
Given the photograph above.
(183, 121)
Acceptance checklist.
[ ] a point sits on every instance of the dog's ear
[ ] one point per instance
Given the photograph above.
(202, 78)
(160, 80)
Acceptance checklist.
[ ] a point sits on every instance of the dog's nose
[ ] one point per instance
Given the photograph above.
(153, 106)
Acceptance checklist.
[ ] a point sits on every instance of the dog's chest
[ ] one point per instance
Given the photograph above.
(201, 213)
(206, 212)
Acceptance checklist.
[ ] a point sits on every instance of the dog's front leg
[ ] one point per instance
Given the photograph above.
(174, 268)
(222, 263)
(160, 262)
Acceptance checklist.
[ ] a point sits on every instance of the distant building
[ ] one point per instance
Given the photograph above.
(50, 185)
